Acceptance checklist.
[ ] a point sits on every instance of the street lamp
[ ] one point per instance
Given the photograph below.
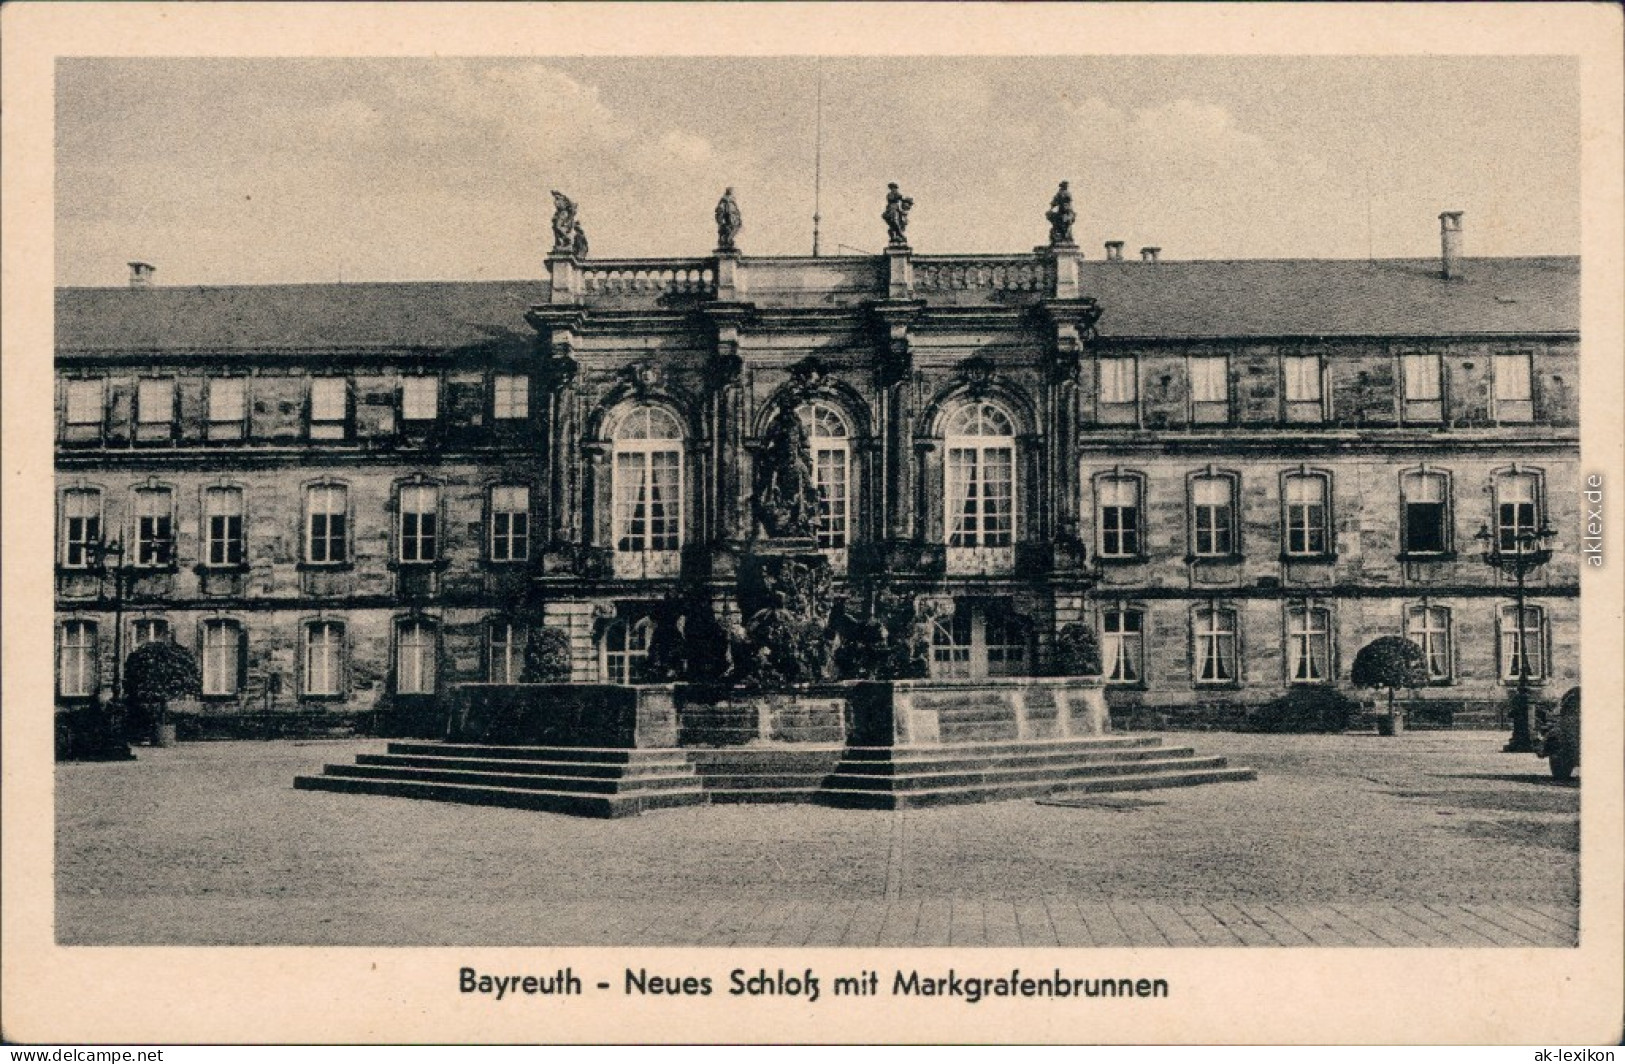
(101, 552)
(1517, 552)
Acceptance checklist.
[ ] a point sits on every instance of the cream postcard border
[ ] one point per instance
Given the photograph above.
(83, 994)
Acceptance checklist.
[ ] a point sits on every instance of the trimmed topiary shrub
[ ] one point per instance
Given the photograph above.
(547, 656)
(1392, 662)
(154, 674)
(1305, 709)
(1077, 651)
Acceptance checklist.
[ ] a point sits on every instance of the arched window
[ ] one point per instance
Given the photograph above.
(829, 439)
(81, 526)
(154, 527)
(1308, 644)
(1305, 514)
(324, 659)
(1517, 511)
(1429, 628)
(222, 658)
(626, 650)
(648, 490)
(980, 489)
(1214, 637)
(77, 675)
(1213, 515)
(1523, 645)
(414, 658)
(1119, 502)
(1425, 505)
(223, 527)
(1122, 645)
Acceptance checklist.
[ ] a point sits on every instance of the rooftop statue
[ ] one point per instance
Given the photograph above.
(896, 216)
(578, 241)
(729, 221)
(564, 222)
(1061, 216)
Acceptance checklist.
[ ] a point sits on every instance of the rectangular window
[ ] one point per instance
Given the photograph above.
(223, 527)
(1215, 638)
(1305, 397)
(1429, 628)
(414, 659)
(228, 407)
(148, 630)
(1523, 646)
(506, 660)
(647, 503)
(1122, 645)
(327, 510)
(1119, 517)
(829, 477)
(76, 660)
(154, 527)
(1423, 388)
(510, 396)
(1426, 519)
(626, 651)
(1005, 639)
(155, 402)
(951, 646)
(85, 401)
(420, 398)
(510, 523)
(81, 527)
(1516, 512)
(1118, 381)
(1210, 389)
(1213, 517)
(1514, 394)
(420, 505)
(324, 659)
(1306, 524)
(1309, 646)
(981, 489)
(222, 660)
(329, 408)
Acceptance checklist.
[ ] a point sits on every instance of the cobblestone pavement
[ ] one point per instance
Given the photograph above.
(1431, 839)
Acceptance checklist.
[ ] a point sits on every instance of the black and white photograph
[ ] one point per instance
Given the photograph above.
(1081, 508)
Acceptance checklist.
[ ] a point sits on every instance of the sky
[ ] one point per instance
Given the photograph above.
(250, 171)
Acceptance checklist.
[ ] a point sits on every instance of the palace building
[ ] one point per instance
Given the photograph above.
(346, 498)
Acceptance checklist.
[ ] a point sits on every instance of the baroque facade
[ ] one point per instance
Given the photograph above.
(345, 498)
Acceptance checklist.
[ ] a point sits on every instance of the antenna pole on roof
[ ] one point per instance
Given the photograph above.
(1370, 251)
(818, 156)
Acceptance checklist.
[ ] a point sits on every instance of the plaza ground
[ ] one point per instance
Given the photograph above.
(1432, 838)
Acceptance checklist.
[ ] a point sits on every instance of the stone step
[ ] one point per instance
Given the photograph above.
(592, 754)
(593, 805)
(592, 769)
(761, 795)
(517, 780)
(1036, 760)
(1009, 791)
(1170, 779)
(924, 751)
(995, 775)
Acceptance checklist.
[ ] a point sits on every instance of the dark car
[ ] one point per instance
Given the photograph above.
(1559, 740)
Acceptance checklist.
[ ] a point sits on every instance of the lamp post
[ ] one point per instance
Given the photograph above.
(1517, 553)
(100, 552)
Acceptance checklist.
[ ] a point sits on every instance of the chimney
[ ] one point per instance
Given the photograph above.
(141, 274)
(1150, 254)
(1114, 251)
(1450, 244)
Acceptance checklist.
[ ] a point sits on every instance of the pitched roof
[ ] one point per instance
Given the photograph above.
(1334, 297)
(1171, 299)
